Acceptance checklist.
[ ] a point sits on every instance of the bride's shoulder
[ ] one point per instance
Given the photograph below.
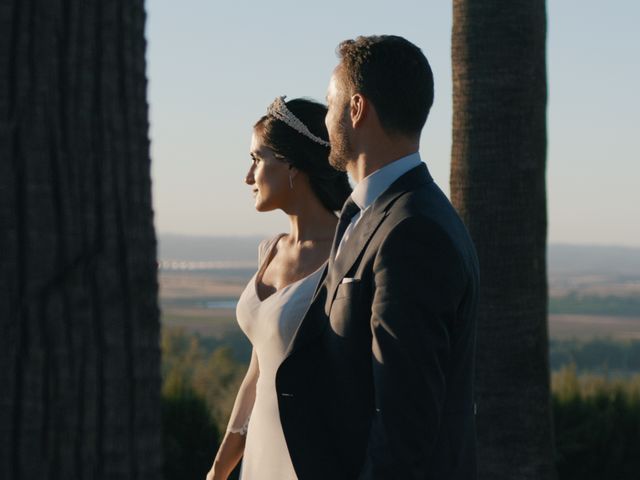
(266, 245)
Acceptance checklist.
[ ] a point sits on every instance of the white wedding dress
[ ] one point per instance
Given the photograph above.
(270, 325)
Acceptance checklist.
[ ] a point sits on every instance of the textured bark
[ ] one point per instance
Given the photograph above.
(79, 321)
(498, 186)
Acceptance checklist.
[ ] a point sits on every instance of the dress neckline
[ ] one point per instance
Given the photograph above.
(264, 266)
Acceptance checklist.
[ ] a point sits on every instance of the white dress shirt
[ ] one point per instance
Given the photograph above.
(372, 186)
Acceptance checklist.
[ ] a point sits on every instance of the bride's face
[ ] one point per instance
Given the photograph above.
(268, 177)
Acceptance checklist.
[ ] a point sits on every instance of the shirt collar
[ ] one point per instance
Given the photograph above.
(372, 186)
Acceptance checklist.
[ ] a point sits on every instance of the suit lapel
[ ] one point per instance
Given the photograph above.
(373, 217)
(316, 319)
(351, 251)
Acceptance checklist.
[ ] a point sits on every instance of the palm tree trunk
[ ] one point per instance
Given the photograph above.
(79, 318)
(498, 186)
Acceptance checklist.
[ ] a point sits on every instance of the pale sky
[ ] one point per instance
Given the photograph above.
(214, 67)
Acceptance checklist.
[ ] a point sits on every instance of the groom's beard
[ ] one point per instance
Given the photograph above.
(341, 148)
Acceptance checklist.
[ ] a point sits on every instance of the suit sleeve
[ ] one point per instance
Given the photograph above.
(419, 282)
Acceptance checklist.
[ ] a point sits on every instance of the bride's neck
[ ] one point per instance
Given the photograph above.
(311, 221)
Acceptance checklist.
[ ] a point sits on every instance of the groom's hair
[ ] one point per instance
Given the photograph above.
(394, 75)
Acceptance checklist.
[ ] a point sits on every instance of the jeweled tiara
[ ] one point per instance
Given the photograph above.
(278, 109)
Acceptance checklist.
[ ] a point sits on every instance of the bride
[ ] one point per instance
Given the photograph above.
(289, 171)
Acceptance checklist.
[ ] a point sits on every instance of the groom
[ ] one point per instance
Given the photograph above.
(378, 383)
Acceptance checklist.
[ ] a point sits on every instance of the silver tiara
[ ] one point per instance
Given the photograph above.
(278, 109)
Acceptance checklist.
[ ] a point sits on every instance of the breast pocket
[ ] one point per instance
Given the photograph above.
(347, 309)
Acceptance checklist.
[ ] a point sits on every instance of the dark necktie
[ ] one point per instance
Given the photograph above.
(349, 209)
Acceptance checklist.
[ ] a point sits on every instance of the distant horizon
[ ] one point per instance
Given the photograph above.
(269, 234)
(201, 252)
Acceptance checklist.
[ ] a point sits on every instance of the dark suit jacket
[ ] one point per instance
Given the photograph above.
(378, 382)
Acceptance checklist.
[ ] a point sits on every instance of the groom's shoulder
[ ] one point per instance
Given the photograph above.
(427, 203)
(430, 212)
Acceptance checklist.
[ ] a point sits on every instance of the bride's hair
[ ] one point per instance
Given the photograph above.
(329, 185)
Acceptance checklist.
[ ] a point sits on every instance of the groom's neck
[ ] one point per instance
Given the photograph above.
(378, 154)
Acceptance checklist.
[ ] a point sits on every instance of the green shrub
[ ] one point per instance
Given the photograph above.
(597, 426)
(190, 437)
(597, 419)
(198, 389)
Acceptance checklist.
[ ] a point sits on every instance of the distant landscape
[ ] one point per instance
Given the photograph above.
(594, 290)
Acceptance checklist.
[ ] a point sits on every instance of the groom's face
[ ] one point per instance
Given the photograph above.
(337, 121)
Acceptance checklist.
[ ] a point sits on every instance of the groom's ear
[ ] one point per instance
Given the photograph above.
(358, 109)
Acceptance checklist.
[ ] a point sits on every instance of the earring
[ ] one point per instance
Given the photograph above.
(290, 182)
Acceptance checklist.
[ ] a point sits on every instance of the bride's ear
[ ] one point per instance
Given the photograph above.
(293, 173)
(358, 107)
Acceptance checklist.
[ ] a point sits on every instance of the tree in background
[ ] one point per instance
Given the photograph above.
(79, 321)
(198, 391)
(211, 374)
(190, 437)
(498, 186)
